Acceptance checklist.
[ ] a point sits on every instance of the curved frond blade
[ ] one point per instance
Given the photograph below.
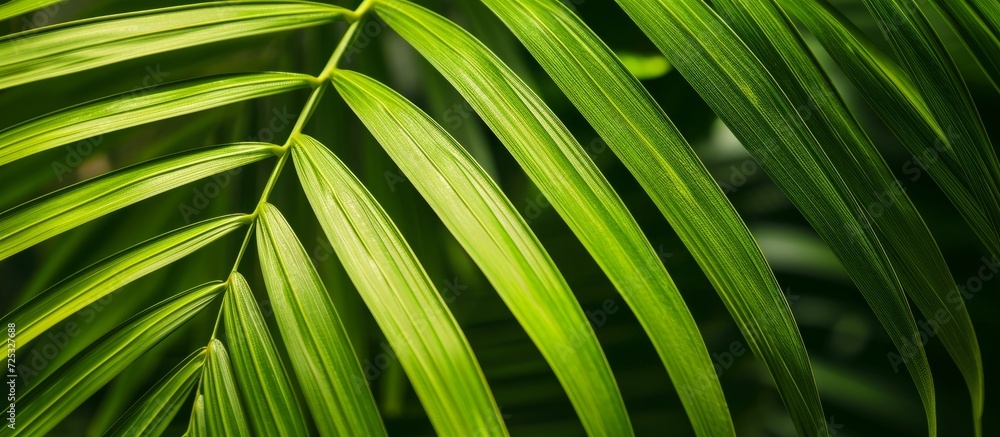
(197, 427)
(978, 23)
(792, 147)
(324, 362)
(49, 401)
(114, 272)
(223, 409)
(639, 132)
(909, 244)
(923, 57)
(414, 318)
(499, 241)
(152, 414)
(272, 406)
(81, 45)
(35, 221)
(922, 54)
(14, 8)
(129, 109)
(557, 164)
(897, 100)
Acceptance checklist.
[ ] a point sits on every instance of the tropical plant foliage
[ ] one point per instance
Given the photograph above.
(769, 69)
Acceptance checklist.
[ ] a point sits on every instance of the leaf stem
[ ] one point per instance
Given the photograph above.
(303, 118)
(324, 76)
(317, 94)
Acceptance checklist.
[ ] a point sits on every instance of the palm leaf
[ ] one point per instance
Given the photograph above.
(634, 126)
(498, 239)
(223, 410)
(272, 406)
(67, 252)
(920, 267)
(978, 23)
(152, 414)
(901, 105)
(14, 8)
(125, 110)
(81, 45)
(745, 59)
(114, 272)
(197, 427)
(574, 186)
(417, 324)
(922, 56)
(322, 357)
(753, 102)
(35, 221)
(49, 401)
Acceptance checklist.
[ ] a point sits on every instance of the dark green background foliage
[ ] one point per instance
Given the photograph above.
(864, 391)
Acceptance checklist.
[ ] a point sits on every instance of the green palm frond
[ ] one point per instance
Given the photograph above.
(414, 317)
(197, 425)
(77, 46)
(344, 263)
(54, 398)
(153, 413)
(500, 242)
(49, 215)
(126, 110)
(323, 360)
(223, 409)
(83, 288)
(557, 164)
(978, 22)
(673, 176)
(264, 383)
(14, 8)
